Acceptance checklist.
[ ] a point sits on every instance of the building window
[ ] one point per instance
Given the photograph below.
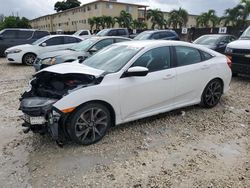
(129, 9)
(96, 7)
(84, 21)
(109, 5)
(88, 8)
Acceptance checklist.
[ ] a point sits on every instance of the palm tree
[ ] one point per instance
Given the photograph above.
(97, 21)
(206, 18)
(233, 16)
(119, 20)
(156, 17)
(174, 19)
(136, 24)
(126, 19)
(178, 17)
(91, 22)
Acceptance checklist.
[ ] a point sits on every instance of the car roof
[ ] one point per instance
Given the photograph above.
(217, 35)
(155, 31)
(147, 44)
(21, 29)
(152, 43)
(108, 37)
(61, 35)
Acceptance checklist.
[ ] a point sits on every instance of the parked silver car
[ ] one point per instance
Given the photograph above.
(80, 51)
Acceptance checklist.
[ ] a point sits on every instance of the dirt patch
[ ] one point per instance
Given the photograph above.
(190, 147)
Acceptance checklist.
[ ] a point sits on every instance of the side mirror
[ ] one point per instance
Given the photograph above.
(81, 58)
(44, 44)
(136, 71)
(93, 50)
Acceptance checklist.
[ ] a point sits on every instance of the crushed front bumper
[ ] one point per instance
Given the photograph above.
(40, 116)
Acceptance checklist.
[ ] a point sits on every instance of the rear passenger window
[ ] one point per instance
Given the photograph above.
(8, 34)
(206, 56)
(156, 36)
(155, 60)
(55, 41)
(69, 40)
(40, 34)
(187, 55)
(84, 33)
(121, 32)
(163, 35)
(24, 34)
(112, 33)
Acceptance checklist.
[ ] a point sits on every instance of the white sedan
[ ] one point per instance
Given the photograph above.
(27, 53)
(124, 82)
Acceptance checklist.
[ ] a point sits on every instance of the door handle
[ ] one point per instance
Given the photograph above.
(168, 76)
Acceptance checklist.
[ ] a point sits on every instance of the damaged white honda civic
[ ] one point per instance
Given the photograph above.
(124, 82)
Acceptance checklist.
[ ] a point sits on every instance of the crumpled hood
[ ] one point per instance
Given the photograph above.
(58, 54)
(74, 67)
(239, 44)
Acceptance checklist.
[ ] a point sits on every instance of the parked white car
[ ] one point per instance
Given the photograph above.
(84, 33)
(27, 53)
(121, 83)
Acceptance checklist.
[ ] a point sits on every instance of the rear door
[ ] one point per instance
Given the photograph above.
(52, 44)
(24, 37)
(70, 41)
(193, 73)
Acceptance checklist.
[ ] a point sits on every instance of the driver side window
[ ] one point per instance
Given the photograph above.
(106, 42)
(155, 60)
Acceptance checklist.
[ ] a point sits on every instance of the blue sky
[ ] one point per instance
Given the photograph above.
(35, 8)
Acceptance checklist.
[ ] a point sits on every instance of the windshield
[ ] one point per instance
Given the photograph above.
(102, 32)
(84, 45)
(246, 34)
(112, 58)
(40, 40)
(143, 36)
(2, 31)
(207, 40)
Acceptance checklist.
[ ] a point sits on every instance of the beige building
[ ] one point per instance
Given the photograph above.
(77, 18)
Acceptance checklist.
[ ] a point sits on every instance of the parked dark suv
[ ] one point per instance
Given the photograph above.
(14, 37)
(121, 32)
(158, 35)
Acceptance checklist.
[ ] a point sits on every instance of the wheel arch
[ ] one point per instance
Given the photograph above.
(28, 53)
(106, 104)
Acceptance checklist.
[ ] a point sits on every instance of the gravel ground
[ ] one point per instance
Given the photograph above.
(190, 147)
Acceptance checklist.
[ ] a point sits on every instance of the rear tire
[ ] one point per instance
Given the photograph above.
(89, 124)
(29, 59)
(212, 94)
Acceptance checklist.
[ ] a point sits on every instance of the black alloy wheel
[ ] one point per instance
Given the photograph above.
(212, 93)
(89, 124)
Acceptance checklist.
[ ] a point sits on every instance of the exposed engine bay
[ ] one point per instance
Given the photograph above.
(46, 88)
(53, 85)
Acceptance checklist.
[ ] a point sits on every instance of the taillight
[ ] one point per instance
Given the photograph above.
(229, 62)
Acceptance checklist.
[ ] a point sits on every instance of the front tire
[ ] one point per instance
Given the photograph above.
(212, 94)
(29, 59)
(89, 124)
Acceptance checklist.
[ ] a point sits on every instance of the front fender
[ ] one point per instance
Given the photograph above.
(107, 93)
